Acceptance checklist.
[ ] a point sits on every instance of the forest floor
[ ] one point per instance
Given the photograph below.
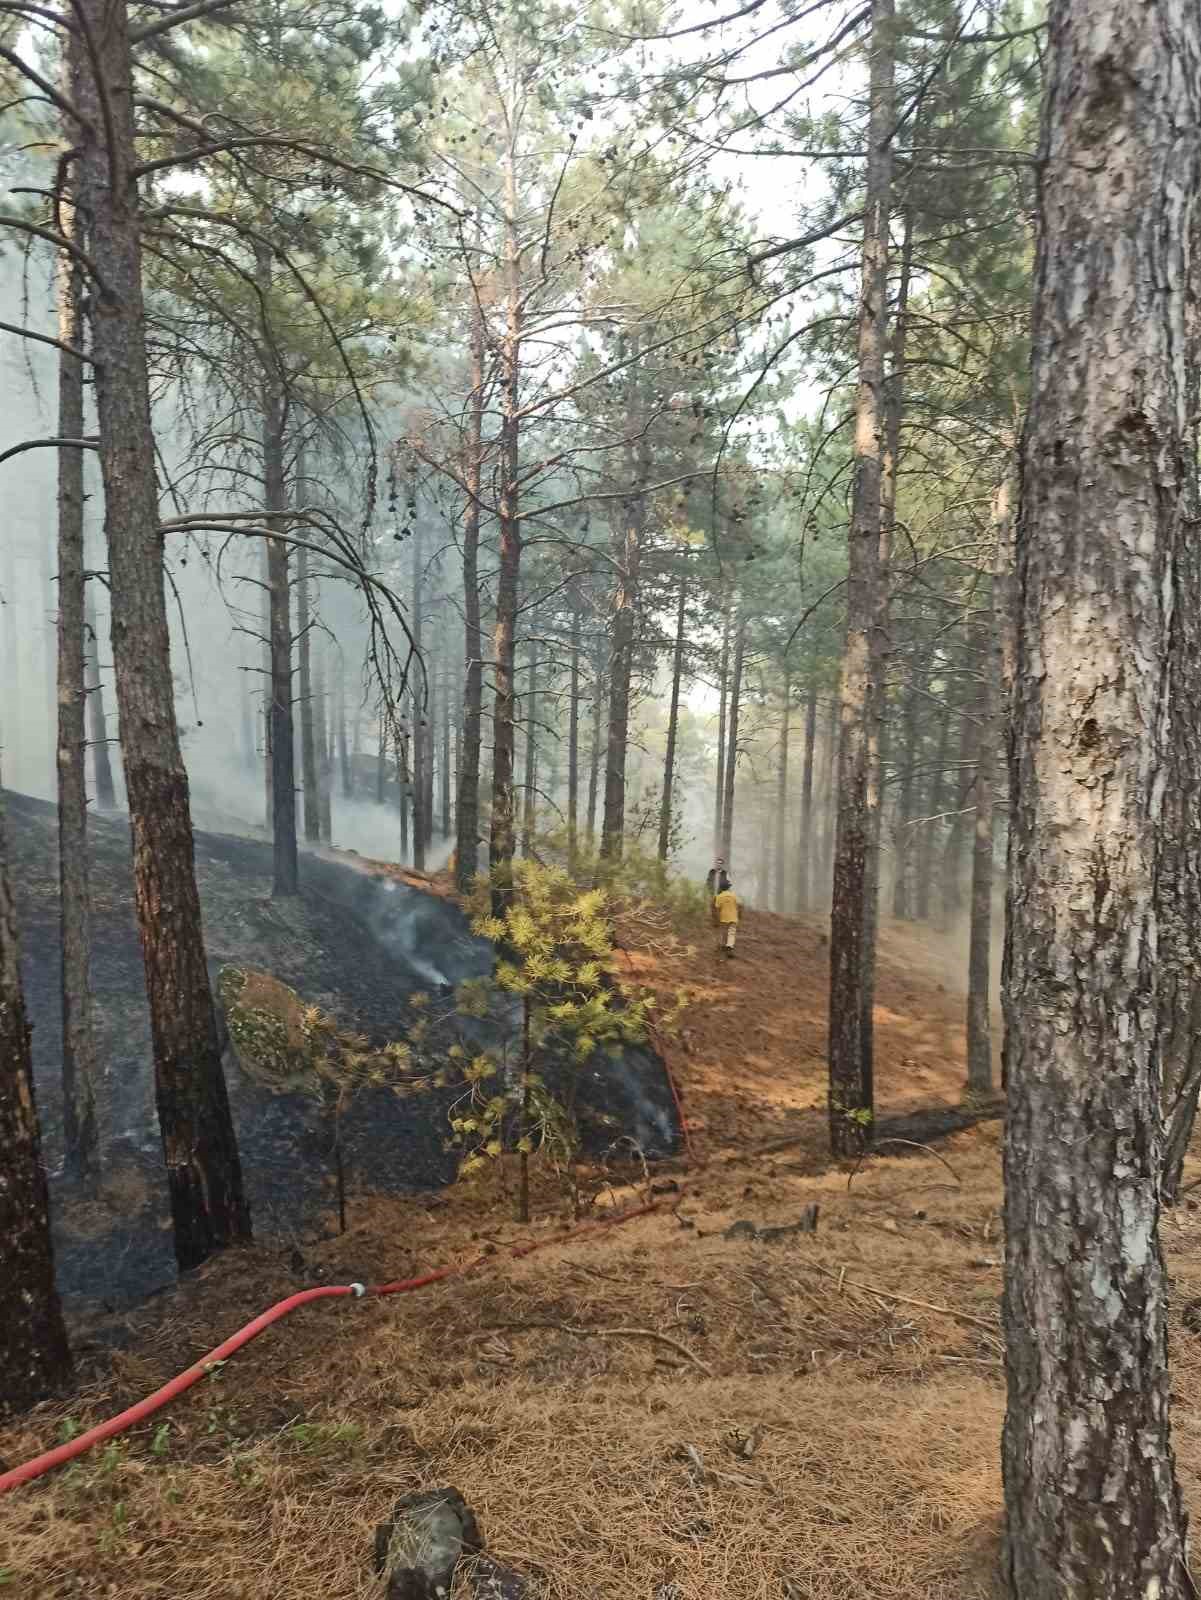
(650, 1412)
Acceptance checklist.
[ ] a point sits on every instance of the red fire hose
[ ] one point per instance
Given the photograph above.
(202, 1368)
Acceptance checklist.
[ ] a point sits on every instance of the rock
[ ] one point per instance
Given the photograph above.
(805, 1223)
(421, 1545)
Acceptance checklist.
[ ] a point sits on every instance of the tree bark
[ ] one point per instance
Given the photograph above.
(34, 1356)
(960, 789)
(444, 764)
(673, 724)
(308, 737)
(345, 762)
(80, 1133)
(102, 761)
(851, 1094)
(1106, 577)
(732, 715)
(936, 789)
(207, 1203)
(467, 807)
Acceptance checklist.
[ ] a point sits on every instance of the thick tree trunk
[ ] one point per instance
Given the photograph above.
(467, 807)
(723, 678)
(75, 901)
(1106, 577)
(573, 737)
(207, 1204)
(807, 848)
(732, 715)
(673, 722)
(529, 810)
(102, 761)
(779, 902)
(34, 1356)
(851, 1094)
(503, 840)
(308, 710)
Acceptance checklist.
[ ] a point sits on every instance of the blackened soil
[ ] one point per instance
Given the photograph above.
(360, 945)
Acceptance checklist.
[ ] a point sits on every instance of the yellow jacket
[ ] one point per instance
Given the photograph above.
(726, 906)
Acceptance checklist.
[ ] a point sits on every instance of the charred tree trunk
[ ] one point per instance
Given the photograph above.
(207, 1203)
(732, 715)
(851, 1093)
(673, 722)
(1106, 577)
(102, 761)
(308, 710)
(345, 762)
(467, 806)
(75, 901)
(34, 1357)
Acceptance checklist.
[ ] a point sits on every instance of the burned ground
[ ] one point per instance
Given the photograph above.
(359, 943)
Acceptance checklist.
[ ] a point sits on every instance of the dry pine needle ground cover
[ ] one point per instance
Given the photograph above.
(656, 1411)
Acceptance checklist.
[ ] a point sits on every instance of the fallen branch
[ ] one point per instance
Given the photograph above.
(843, 1282)
(913, 1144)
(606, 1333)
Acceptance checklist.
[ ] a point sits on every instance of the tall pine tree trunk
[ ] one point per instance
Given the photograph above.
(322, 739)
(419, 701)
(1106, 577)
(529, 810)
(904, 852)
(979, 966)
(207, 1204)
(444, 763)
(781, 888)
(345, 763)
(34, 1357)
(102, 761)
(503, 840)
(308, 710)
(851, 1093)
(467, 805)
(673, 723)
(732, 715)
(723, 678)
(573, 736)
(598, 703)
(75, 902)
(625, 628)
(807, 849)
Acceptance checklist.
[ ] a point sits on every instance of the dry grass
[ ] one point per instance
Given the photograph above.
(801, 1426)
